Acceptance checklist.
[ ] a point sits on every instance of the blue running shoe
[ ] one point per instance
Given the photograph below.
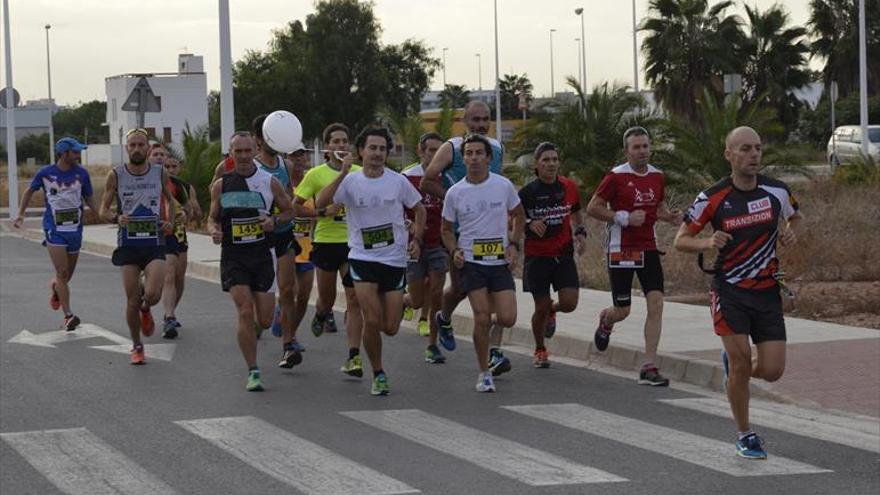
(276, 321)
(434, 356)
(751, 447)
(445, 333)
(499, 364)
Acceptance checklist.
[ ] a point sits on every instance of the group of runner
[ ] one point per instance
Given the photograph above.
(282, 226)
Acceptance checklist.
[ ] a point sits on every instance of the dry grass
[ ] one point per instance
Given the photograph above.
(97, 173)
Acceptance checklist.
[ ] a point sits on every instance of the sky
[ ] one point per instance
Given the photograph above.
(94, 39)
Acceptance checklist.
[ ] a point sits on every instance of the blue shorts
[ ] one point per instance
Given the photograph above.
(305, 267)
(71, 240)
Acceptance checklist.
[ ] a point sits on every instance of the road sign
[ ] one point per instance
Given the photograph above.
(16, 98)
(142, 98)
(164, 352)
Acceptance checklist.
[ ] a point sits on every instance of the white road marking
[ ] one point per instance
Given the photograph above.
(514, 460)
(304, 465)
(79, 463)
(706, 452)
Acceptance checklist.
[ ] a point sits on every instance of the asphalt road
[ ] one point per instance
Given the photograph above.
(78, 419)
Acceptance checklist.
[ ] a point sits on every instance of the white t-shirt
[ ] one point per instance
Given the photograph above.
(481, 211)
(375, 216)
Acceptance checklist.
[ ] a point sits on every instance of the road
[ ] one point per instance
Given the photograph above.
(79, 419)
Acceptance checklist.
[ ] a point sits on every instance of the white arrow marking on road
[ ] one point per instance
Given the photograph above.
(164, 352)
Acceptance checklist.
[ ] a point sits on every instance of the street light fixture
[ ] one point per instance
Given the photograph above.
(552, 90)
(51, 105)
(580, 11)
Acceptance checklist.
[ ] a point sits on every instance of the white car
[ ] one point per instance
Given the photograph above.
(845, 145)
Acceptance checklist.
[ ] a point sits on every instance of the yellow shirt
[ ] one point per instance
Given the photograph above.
(327, 229)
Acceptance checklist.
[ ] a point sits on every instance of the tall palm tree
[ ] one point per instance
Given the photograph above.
(689, 46)
(455, 96)
(776, 60)
(511, 86)
(834, 26)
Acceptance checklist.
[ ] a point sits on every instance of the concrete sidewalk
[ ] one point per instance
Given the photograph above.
(828, 365)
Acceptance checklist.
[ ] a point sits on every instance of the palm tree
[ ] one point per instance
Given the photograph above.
(445, 121)
(455, 96)
(688, 48)
(200, 156)
(589, 142)
(834, 26)
(776, 61)
(513, 85)
(407, 129)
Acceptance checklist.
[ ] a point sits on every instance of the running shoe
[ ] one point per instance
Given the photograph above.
(380, 385)
(169, 328)
(485, 382)
(550, 329)
(651, 376)
(330, 324)
(499, 364)
(751, 447)
(445, 333)
(317, 325)
(292, 357)
(408, 313)
(433, 355)
(54, 301)
(254, 382)
(542, 358)
(276, 321)
(147, 323)
(603, 332)
(353, 367)
(137, 354)
(424, 328)
(71, 322)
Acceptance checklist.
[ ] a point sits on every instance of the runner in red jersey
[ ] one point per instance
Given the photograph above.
(631, 200)
(426, 276)
(745, 211)
(552, 207)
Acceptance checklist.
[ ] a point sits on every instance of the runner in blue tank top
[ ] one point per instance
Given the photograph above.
(66, 186)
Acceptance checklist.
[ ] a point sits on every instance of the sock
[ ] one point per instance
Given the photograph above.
(494, 351)
(353, 351)
(648, 365)
(319, 316)
(68, 314)
(288, 346)
(443, 318)
(378, 372)
(540, 348)
(742, 434)
(253, 368)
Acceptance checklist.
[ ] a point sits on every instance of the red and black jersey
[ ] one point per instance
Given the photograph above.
(626, 190)
(553, 203)
(433, 209)
(752, 217)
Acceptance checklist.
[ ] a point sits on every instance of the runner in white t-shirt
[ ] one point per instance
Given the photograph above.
(378, 240)
(483, 254)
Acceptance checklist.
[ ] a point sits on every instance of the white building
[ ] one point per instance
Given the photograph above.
(184, 96)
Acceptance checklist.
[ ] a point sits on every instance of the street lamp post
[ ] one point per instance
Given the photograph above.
(580, 11)
(444, 67)
(863, 81)
(577, 43)
(51, 105)
(11, 156)
(497, 81)
(227, 112)
(552, 89)
(479, 72)
(635, 50)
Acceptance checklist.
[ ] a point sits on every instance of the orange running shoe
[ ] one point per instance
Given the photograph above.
(54, 302)
(542, 358)
(147, 323)
(137, 354)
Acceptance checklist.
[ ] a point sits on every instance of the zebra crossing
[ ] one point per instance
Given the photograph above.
(78, 461)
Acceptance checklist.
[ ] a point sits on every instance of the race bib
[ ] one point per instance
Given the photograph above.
(626, 259)
(488, 249)
(378, 237)
(247, 230)
(340, 216)
(143, 227)
(302, 227)
(67, 218)
(180, 233)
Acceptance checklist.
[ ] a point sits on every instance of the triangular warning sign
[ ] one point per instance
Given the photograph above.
(142, 98)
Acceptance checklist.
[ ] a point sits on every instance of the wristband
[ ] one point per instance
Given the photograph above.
(580, 230)
(621, 218)
(321, 211)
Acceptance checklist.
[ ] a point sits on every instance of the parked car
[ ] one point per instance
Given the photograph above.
(845, 145)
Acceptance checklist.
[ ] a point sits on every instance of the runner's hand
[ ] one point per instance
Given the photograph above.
(166, 227)
(217, 236)
(332, 210)
(636, 218)
(268, 224)
(580, 245)
(122, 220)
(346, 163)
(458, 258)
(718, 240)
(788, 237)
(19, 221)
(414, 250)
(538, 227)
(511, 255)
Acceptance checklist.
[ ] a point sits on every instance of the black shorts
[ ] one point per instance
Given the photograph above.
(330, 256)
(137, 255)
(540, 272)
(650, 278)
(173, 246)
(389, 278)
(256, 270)
(757, 313)
(284, 243)
(495, 278)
